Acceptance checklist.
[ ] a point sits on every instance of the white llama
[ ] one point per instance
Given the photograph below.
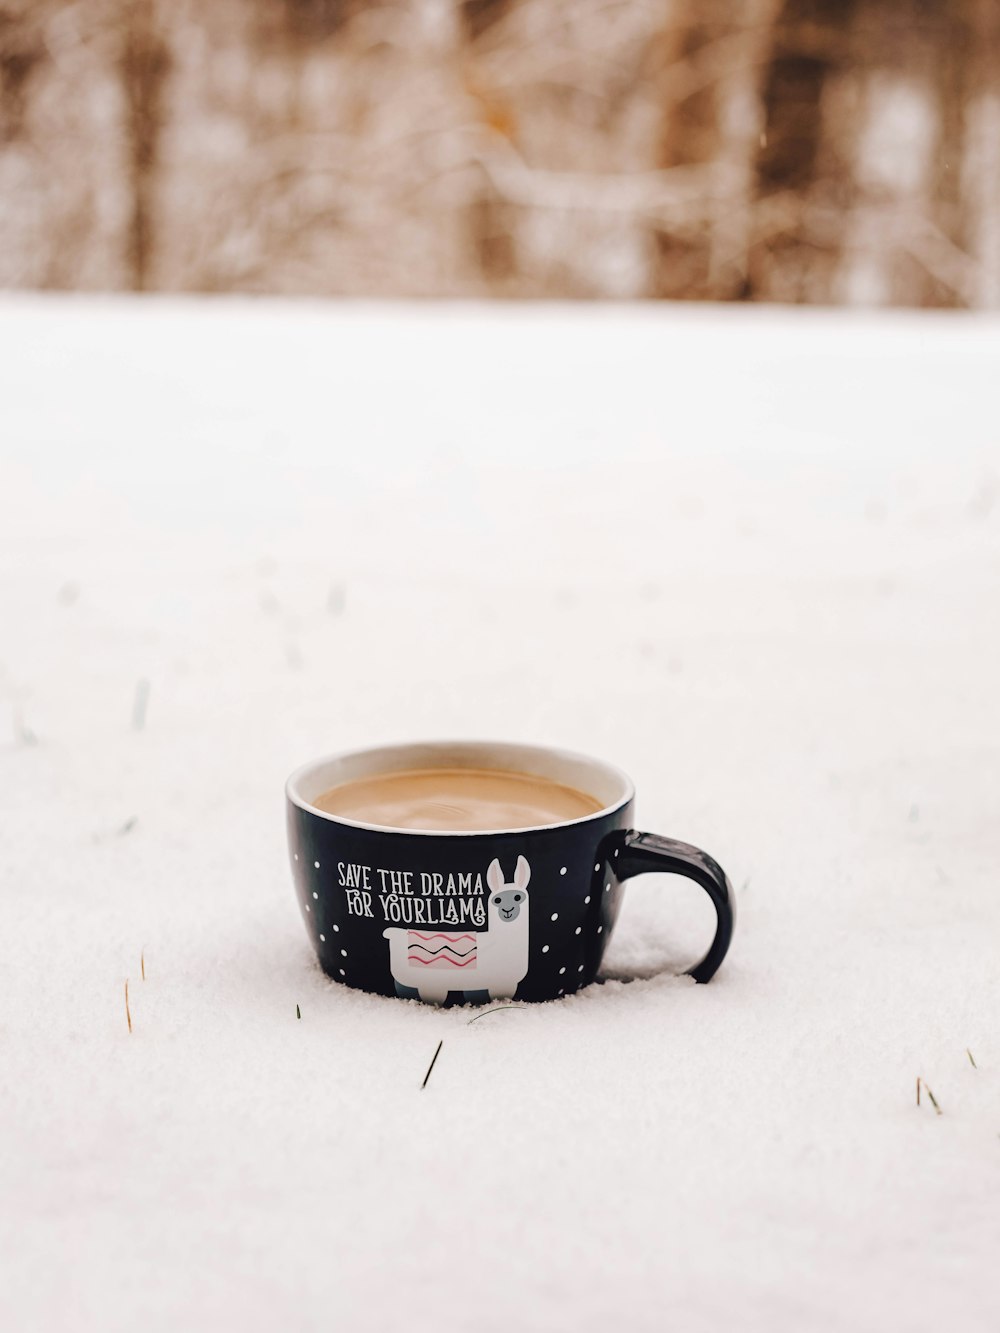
(484, 966)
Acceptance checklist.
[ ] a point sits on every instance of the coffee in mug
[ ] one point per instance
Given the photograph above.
(478, 799)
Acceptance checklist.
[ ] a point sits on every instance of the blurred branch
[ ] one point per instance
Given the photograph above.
(649, 193)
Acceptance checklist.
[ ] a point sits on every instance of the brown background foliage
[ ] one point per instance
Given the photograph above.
(791, 150)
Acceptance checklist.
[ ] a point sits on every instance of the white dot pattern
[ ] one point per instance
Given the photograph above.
(562, 870)
(545, 948)
(555, 916)
(577, 931)
(587, 899)
(342, 972)
(316, 864)
(343, 953)
(315, 894)
(562, 971)
(598, 866)
(323, 938)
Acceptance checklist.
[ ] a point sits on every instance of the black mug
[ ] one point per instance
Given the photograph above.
(468, 916)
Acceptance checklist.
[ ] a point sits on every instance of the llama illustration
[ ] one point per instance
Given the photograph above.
(484, 966)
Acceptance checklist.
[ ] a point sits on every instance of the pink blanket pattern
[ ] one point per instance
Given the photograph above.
(441, 951)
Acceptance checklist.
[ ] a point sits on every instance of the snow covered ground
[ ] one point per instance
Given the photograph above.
(751, 556)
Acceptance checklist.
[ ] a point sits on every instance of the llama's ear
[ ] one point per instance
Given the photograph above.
(494, 877)
(522, 874)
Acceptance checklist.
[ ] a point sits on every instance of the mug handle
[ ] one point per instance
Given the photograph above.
(645, 852)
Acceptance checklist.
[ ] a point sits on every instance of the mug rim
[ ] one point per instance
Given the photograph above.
(551, 752)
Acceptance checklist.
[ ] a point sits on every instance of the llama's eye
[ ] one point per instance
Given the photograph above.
(497, 901)
(517, 897)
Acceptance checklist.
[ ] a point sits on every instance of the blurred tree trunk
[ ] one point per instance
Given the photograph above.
(952, 81)
(910, 237)
(790, 260)
(981, 167)
(953, 75)
(21, 51)
(690, 137)
(709, 75)
(478, 16)
(143, 66)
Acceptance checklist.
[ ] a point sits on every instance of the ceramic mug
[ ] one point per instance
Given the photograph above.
(469, 916)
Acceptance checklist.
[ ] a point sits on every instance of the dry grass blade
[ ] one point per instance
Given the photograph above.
(128, 1012)
(298, 1012)
(142, 964)
(22, 731)
(971, 1060)
(335, 599)
(500, 1009)
(140, 703)
(918, 1091)
(934, 1102)
(432, 1063)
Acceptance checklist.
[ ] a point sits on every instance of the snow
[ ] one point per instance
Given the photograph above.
(751, 556)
